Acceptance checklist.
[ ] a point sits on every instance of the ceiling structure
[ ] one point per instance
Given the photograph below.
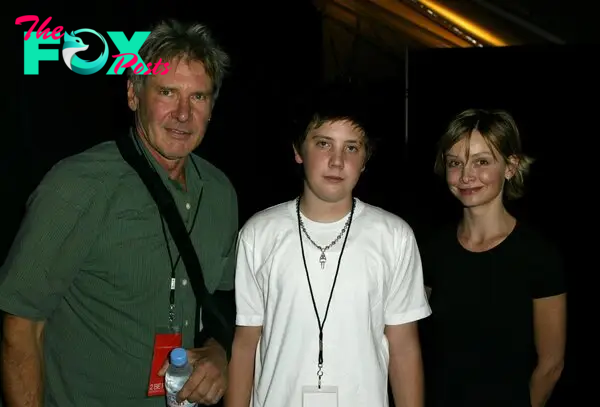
(360, 35)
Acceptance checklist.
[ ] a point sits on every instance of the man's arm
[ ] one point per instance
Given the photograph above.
(549, 316)
(213, 333)
(58, 230)
(22, 362)
(227, 282)
(241, 368)
(406, 367)
(224, 296)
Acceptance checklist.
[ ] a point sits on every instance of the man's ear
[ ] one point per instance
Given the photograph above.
(132, 99)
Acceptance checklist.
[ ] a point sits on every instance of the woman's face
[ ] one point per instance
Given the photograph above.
(476, 179)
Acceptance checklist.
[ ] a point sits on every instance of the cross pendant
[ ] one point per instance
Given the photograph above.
(322, 260)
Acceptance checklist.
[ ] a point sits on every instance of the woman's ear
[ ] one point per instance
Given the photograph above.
(512, 167)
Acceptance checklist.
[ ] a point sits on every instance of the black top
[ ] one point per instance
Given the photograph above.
(478, 343)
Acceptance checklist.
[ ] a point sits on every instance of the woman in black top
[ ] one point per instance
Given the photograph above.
(497, 333)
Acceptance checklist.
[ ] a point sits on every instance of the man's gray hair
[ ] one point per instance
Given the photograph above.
(172, 39)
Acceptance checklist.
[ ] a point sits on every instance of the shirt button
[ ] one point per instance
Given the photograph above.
(188, 206)
(184, 281)
(186, 323)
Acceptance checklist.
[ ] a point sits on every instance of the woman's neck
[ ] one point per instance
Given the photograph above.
(485, 225)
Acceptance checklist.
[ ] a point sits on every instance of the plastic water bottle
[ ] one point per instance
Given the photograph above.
(177, 374)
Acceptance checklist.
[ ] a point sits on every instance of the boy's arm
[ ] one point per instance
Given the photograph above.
(241, 367)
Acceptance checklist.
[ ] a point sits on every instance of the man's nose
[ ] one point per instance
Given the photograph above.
(183, 110)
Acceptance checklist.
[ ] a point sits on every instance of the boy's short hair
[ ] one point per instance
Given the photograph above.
(332, 103)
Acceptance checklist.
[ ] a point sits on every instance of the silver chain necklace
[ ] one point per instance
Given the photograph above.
(323, 258)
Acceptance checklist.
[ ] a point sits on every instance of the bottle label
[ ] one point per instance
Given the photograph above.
(172, 402)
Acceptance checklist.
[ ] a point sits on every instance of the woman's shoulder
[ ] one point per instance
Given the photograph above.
(532, 237)
(534, 247)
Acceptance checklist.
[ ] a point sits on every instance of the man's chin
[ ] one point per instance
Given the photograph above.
(175, 151)
(174, 156)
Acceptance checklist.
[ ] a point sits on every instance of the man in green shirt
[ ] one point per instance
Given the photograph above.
(94, 274)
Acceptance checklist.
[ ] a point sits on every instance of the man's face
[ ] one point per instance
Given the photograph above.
(174, 109)
(333, 156)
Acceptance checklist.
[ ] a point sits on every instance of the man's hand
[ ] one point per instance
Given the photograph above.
(208, 382)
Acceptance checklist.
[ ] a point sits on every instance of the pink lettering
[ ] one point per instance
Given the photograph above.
(159, 65)
(24, 19)
(138, 68)
(42, 30)
(128, 64)
(56, 32)
(156, 66)
(148, 72)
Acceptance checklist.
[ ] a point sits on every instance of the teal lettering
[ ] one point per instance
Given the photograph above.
(126, 46)
(33, 54)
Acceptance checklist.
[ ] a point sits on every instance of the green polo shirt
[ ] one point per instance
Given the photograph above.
(90, 259)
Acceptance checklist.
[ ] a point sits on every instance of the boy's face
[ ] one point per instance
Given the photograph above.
(333, 156)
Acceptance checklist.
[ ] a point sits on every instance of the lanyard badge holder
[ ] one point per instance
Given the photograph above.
(319, 395)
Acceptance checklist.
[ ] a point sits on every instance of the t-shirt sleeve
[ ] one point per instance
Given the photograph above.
(547, 270)
(406, 298)
(59, 227)
(248, 293)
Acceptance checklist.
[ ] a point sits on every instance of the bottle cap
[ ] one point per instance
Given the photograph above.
(178, 357)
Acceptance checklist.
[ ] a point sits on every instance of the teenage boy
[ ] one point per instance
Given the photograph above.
(329, 289)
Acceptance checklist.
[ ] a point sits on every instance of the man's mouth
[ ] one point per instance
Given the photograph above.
(178, 132)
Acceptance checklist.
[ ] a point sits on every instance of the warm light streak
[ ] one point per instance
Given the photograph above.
(464, 23)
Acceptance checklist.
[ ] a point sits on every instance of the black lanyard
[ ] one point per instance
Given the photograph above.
(176, 262)
(173, 264)
(312, 296)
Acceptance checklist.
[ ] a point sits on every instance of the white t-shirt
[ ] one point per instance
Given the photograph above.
(380, 283)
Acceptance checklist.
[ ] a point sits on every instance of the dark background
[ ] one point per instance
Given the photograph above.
(277, 55)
